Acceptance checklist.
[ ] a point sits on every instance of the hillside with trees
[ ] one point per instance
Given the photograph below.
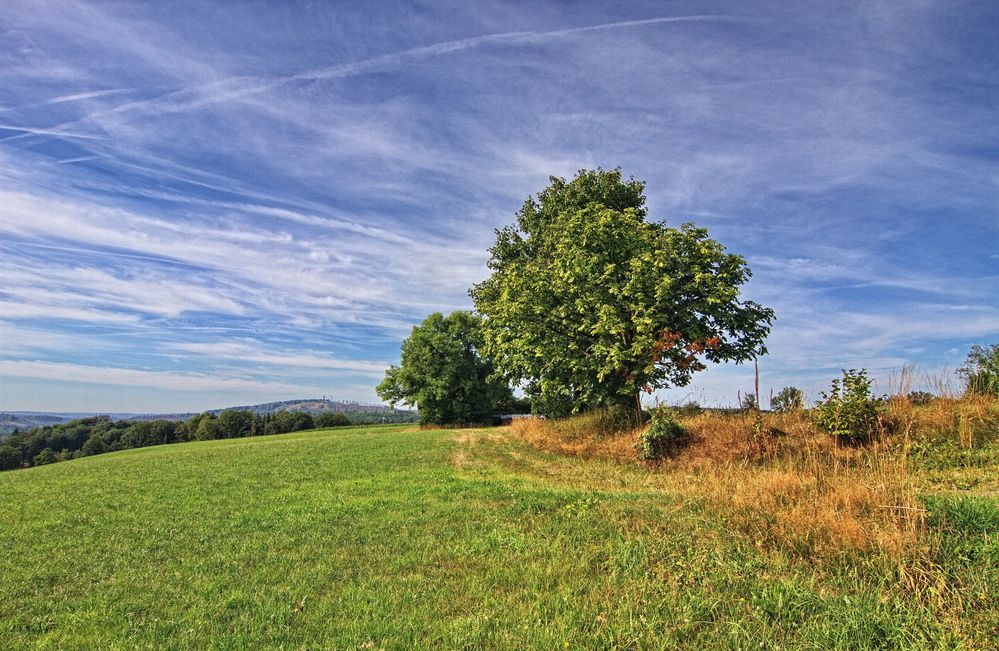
(101, 434)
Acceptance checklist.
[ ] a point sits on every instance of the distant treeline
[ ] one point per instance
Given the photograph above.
(312, 405)
(375, 417)
(99, 434)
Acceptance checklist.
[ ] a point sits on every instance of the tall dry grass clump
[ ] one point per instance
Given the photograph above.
(599, 433)
(965, 417)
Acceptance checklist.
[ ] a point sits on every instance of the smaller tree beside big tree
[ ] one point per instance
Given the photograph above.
(443, 373)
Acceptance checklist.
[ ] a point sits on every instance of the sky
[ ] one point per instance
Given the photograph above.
(219, 203)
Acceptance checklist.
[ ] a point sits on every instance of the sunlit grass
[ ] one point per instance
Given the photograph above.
(387, 537)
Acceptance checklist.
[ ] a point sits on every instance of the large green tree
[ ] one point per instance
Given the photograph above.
(444, 375)
(590, 304)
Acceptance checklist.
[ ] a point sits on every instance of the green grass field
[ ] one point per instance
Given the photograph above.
(387, 537)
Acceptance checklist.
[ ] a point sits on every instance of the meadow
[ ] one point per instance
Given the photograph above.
(510, 538)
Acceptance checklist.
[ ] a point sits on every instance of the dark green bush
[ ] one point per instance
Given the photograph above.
(94, 445)
(10, 457)
(332, 419)
(920, 398)
(663, 435)
(44, 457)
(850, 411)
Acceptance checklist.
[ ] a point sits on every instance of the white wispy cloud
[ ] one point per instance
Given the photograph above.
(162, 380)
(20, 340)
(51, 132)
(256, 353)
(89, 286)
(15, 310)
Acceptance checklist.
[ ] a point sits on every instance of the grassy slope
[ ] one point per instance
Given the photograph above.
(385, 537)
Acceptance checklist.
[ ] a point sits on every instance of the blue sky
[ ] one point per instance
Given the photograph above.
(210, 204)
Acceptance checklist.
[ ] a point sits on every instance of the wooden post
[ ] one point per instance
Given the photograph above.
(756, 365)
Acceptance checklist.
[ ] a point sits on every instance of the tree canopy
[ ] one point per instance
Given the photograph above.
(443, 373)
(589, 304)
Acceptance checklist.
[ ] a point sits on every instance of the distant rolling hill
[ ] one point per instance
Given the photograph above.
(9, 421)
(312, 405)
(358, 412)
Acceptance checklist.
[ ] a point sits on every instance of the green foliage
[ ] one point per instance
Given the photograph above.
(662, 436)
(443, 373)
(970, 524)
(302, 420)
(99, 434)
(282, 422)
(69, 437)
(187, 430)
(981, 370)
(515, 405)
(235, 423)
(332, 419)
(10, 457)
(44, 457)
(748, 402)
(920, 398)
(588, 303)
(850, 411)
(384, 416)
(969, 515)
(94, 445)
(787, 400)
(149, 432)
(379, 416)
(208, 428)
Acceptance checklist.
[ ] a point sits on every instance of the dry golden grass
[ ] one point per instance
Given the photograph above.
(780, 480)
(970, 419)
(573, 436)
